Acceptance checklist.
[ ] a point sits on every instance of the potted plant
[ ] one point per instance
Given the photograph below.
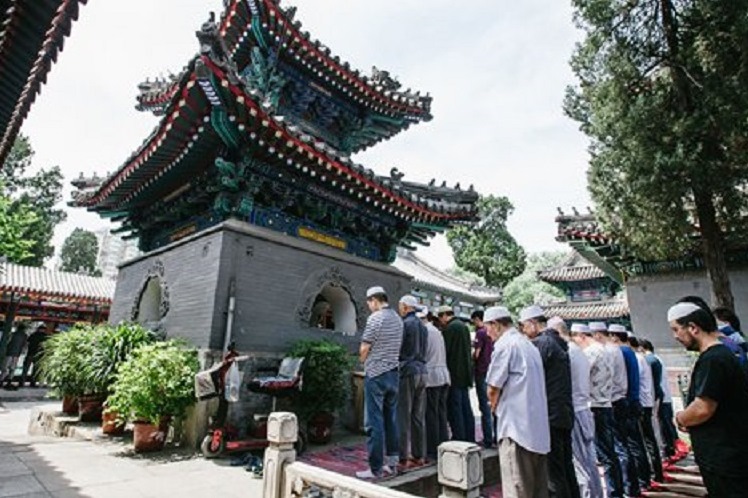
(326, 369)
(155, 384)
(111, 345)
(62, 365)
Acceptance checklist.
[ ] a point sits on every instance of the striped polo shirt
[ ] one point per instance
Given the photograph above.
(384, 331)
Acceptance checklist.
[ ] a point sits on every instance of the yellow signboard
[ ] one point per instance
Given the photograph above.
(329, 240)
(183, 232)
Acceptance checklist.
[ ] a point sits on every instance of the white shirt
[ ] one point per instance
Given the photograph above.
(667, 396)
(601, 375)
(646, 382)
(580, 378)
(522, 413)
(620, 380)
(437, 373)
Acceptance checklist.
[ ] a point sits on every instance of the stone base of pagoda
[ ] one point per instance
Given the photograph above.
(261, 289)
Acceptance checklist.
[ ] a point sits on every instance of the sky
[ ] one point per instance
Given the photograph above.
(497, 71)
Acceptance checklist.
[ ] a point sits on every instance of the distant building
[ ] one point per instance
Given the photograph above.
(591, 294)
(60, 299)
(435, 287)
(113, 251)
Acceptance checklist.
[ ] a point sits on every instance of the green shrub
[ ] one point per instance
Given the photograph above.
(63, 362)
(112, 345)
(83, 360)
(326, 372)
(156, 381)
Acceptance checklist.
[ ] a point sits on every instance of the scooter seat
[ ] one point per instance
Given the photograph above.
(288, 380)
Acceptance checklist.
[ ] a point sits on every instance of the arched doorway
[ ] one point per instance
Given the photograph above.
(333, 309)
(149, 306)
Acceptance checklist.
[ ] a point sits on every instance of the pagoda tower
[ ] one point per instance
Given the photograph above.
(254, 220)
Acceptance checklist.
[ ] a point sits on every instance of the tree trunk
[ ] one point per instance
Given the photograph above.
(10, 316)
(714, 250)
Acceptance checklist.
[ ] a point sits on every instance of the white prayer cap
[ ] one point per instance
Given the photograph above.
(373, 291)
(680, 310)
(598, 326)
(495, 313)
(409, 301)
(556, 321)
(531, 312)
(422, 312)
(579, 328)
(445, 308)
(616, 328)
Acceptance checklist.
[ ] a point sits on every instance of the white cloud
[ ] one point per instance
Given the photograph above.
(497, 71)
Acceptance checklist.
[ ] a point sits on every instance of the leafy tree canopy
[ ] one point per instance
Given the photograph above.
(38, 193)
(527, 288)
(488, 249)
(79, 253)
(663, 96)
(14, 223)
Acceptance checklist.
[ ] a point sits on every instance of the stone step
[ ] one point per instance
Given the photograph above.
(665, 494)
(686, 469)
(684, 478)
(45, 422)
(683, 489)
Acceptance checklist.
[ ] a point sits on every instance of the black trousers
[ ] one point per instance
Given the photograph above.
(630, 447)
(562, 480)
(667, 428)
(436, 419)
(32, 358)
(721, 486)
(650, 443)
(606, 451)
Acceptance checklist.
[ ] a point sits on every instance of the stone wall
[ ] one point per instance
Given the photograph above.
(650, 297)
(274, 280)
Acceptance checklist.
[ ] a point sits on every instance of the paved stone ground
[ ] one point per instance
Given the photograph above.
(53, 467)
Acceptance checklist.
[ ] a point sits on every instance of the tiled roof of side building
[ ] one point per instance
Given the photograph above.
(600, 310)
(32, 35)
(430, 277)
(51, 284)
(574, 268)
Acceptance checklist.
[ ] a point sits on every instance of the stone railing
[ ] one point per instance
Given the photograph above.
(460, 470)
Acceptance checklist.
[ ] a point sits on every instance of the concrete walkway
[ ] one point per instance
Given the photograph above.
(53, 467)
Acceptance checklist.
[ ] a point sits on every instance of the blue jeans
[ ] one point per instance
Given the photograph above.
(381, 419)
(460, 415)
(486, 417)
(606, 453)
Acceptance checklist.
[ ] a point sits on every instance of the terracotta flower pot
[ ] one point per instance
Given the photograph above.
(90, 408)
(148, 437)
(69, 405)
(320, 428)
(110, 426)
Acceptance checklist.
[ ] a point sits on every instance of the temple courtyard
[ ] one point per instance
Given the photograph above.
(38, 466)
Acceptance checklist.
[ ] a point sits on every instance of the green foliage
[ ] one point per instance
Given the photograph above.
(79, 251)
(489, 250)
(14, 224)
(527, 288)
(157, 380)
(111, 345)
(663, 96)
(326, 375)
(39, 193)
(63, 363)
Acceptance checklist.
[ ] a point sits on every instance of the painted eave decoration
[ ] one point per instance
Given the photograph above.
(32, 34)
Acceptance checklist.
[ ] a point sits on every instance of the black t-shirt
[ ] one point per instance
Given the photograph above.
(721, 443)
